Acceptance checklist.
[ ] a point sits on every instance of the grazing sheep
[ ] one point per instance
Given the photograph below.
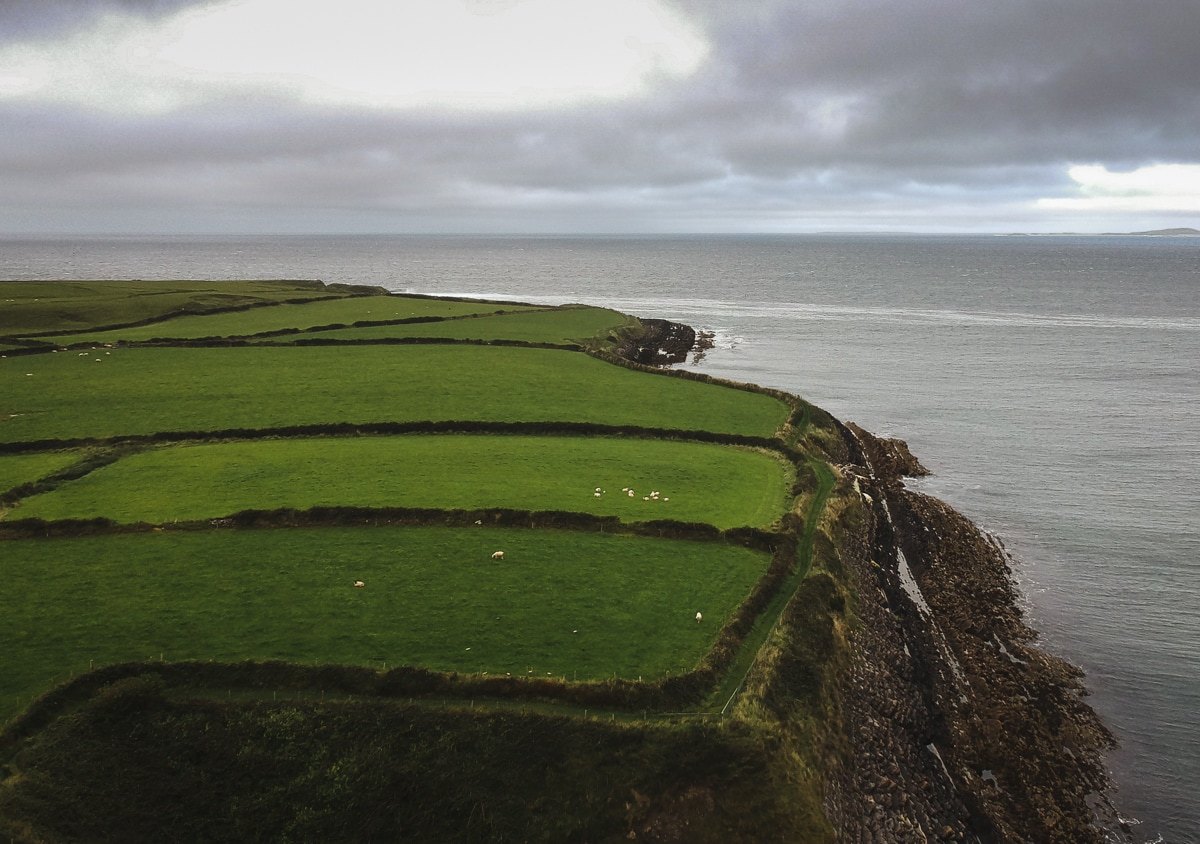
(358, 584)
(497, 555)
(699, 617)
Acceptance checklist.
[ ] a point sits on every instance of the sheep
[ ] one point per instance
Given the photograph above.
(497, 555)
(699, 617)
(358, 584)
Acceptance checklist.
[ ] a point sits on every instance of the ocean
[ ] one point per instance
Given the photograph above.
(1052, 384)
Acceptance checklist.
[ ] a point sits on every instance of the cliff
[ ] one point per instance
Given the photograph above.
(959, 727)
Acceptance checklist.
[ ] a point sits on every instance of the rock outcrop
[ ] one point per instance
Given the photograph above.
(959, 727)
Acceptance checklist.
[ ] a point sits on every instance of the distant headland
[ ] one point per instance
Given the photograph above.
(1176, 232)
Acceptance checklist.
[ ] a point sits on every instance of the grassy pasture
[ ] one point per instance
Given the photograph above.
(17, 469)
(33, 306)
(720, 485)
(563, 325)
(130, 391)
(433, 597)
(307, 315)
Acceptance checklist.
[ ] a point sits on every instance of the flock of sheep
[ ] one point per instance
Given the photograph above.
(654, 495)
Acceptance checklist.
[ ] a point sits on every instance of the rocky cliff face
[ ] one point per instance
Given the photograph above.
(959, 727)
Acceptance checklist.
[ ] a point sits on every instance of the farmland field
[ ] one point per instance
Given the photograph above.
(433, 597)
(546, 326)
(38, 306)
(720, 485)
(17, 469)
(107, 393)
(131, 559)
(307, 315)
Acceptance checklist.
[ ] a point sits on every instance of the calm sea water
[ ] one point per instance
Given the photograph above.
(1052, 384)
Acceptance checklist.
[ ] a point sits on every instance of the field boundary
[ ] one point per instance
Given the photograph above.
(368, 429)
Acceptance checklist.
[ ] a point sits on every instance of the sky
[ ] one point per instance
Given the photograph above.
(614, 116)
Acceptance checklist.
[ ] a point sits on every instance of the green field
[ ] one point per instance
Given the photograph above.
(17, 469)
(116, 392)
(256, 320)
(37, 306)
(568, 325)
(561, 603)
(190, 434)
(719, 485)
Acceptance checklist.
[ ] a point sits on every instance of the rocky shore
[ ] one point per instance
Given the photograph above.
(660, 342)
(959, 727)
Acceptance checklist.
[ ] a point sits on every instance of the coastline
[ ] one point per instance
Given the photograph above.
(958, 724)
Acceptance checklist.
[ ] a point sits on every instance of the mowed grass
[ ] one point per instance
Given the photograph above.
(559, 325)
(35, 306)
(561, 603)
(17, 469)
(307, 315)
(139, 391)
(721, 485)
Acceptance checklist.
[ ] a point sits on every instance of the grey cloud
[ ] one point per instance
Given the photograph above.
(22, 20)
(941, 108)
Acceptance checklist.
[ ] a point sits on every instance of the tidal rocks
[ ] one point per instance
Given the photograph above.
(890, 459)
(959, 728)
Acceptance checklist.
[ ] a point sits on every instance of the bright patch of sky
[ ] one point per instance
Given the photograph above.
(490, 54)
(1156, 187)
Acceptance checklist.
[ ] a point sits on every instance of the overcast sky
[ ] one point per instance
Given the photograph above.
(607, 116)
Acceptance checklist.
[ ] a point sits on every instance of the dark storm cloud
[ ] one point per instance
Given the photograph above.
(38, 19)
(827, 108)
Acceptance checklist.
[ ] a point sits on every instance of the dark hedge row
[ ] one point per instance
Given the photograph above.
(285, 517)
(334, 326)
(76, 470)
(449, 426)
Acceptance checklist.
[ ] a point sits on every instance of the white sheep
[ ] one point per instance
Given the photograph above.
(497, 555)
(358, 584)
(699, 617)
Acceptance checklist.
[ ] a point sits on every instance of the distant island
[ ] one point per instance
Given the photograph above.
(1180, 232)
(1177, 232)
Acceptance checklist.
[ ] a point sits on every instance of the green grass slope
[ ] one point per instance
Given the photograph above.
(109, 393)
(299, 316)
(211, 771)
(565, 325)
(18, 469)
(697, 482)
(198, 746)
(579, 605)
